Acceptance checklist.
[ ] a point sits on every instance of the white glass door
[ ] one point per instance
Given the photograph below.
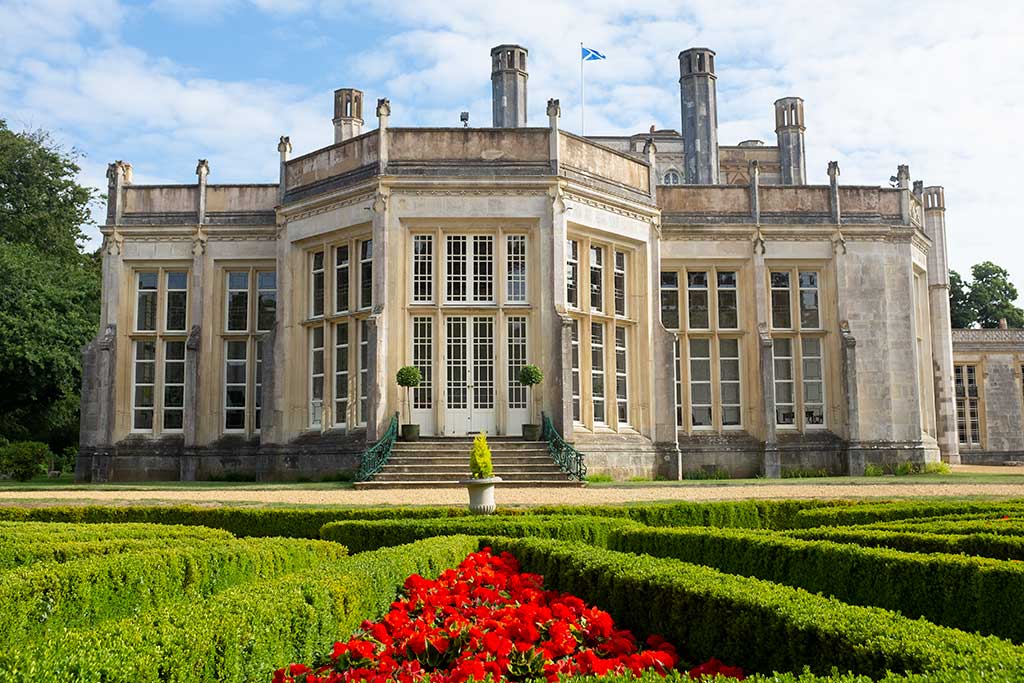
(470, 376)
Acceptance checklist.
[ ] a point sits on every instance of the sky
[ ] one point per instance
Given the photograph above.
(162, 83)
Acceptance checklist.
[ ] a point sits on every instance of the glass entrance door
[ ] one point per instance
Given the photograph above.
(470, 381)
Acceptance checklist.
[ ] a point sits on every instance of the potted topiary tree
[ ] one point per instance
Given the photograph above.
(529, 376)
(410, 378)
(482, 480)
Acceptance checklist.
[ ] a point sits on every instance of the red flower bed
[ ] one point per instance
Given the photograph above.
(483, 620)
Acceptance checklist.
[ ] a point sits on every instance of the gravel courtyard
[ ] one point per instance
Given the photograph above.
(328, 495)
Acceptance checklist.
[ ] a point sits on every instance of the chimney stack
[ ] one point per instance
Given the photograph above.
(348, 114)
(789, 127)
(508, 86)
(700, 116)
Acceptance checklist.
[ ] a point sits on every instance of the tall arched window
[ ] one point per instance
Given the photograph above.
(671, 177)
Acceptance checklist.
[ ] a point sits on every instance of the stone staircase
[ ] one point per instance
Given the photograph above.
(437, 462)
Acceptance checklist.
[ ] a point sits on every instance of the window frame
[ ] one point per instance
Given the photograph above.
(253, 336)
(797, 333)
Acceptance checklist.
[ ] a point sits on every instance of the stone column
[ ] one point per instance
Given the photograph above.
(765, 346)
(193, 390)
(940, 324)
(377, 391)
(554, 112)
(560, 342)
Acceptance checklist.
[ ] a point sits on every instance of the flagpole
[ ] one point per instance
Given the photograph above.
(583, 99)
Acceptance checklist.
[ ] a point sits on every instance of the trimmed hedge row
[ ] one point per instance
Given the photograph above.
(47, 597)
(982, 545)
(756, 624)
(59, 531)
(306, 523)
(969, 593)
(869, 513)
(359, 536)
(1010, 527)
(24, 553)
(241, 634)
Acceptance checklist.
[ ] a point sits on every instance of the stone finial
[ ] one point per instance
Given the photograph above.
(649, 147)
(202, 169)
(1003, 325)
(554, 108)
(903, 176)
(284, 145)
(918, 188)
(833, 172)
(383, 107)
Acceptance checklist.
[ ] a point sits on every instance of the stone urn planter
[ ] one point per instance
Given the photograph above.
(410, 432)
(482, 480)
(481, 495)
(531, 432)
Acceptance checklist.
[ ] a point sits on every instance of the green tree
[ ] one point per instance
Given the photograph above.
(992, 296)
(49, 288)
(961, 313)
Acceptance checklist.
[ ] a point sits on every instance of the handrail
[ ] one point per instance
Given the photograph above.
(376, 456)
(568, 458)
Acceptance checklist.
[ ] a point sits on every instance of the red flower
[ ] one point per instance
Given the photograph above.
(486, 619)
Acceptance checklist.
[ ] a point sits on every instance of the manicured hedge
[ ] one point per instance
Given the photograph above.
(61, 531)
(23, 553)
(756, 624)
(953, 590)
(306, 523)
(358, 536)
(1010, 527)
(47, 596)
(983, 545)
(869, 513)
(241, 634)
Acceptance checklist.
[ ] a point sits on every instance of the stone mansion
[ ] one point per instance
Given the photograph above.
(694, 306)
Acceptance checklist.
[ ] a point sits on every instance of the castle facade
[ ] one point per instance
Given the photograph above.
(694, 307)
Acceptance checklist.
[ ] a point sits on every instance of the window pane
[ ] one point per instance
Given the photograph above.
(145, 316)
(173, 419)
(366, 274)
(809, 315)
(176, 302)
(620, 283)
(572, 273)
(317, 282)
(597, 371)
(596, 278)
(697, 299)
(483, 268)
(456, 284)
(781, 315)
(516, 268)
(728, 316)
(342, 272)
(238, 280)
(422, 268)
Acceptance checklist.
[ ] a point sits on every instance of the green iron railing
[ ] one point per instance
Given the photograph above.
(376, 456)
(567, 457)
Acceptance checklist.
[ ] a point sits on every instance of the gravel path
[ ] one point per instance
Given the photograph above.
(519, 496)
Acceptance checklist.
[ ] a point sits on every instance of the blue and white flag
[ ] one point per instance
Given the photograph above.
(591, 55)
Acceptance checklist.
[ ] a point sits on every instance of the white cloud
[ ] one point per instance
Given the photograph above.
(936, 87)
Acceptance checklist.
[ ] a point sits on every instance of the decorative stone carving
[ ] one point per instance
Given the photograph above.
(383, 107)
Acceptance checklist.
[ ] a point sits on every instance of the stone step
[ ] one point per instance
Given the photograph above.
(439, 484)
(464, 462)
(385, 475)
(462, 470)
(466, 447)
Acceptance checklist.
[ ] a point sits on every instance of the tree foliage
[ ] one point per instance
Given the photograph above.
(49, 288)
(984, 301)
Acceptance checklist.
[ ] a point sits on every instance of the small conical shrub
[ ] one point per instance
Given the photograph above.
(480, 458)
